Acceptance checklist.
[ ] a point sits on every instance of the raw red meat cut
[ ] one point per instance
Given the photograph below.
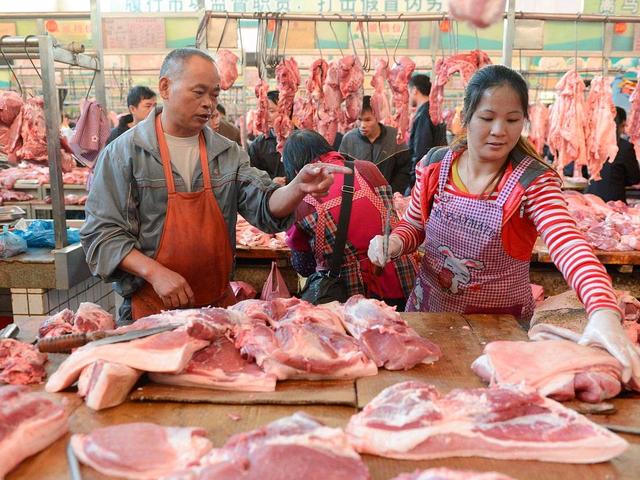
(10, 105)
(413, 421)
(24, 171)
(14, 196)
(385, 337)
(256, 310)
(33, 131)
(29, 423)
(567, 121)
(291, 448)
(165, 352)
(228, 65)
(330, 113)
(330, 315)
(464, 63)
(106, 384)
(307, 111)
(601, 129)
(250, 236)
(479, 13)
(91, 317)
(288, 80)
(220, 366)
(306, 351)
(633, 120)
(77, 176)
(140, 450)
(448, 474)
(559, 369)
(243, 291)
(59, 324)
(261, 121)
(539, 119)
(351, 80)
(21, 363)
(398, 79)
(379, 99)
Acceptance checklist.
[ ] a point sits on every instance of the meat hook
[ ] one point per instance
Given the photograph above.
(404, 26)
(315, 33)
(384, 44)
(95, 72)
(336, 37)
(29, 56)
(224, 30)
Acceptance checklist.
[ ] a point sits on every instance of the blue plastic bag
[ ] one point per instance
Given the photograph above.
(11, 244)
(40, 234)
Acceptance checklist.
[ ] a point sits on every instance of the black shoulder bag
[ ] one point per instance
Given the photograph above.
(325, 287)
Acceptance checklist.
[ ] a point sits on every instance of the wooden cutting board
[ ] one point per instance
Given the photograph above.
(290, 392)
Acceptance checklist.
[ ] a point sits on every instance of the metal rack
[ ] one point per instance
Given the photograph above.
(46, 49)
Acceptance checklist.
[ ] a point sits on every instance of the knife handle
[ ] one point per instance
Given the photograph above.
(63, 343)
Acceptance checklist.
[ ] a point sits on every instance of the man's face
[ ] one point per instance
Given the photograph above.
(368, 124)
(141, 111)
(412, 96)
(272, 112)
(214, 123)
(191, 96)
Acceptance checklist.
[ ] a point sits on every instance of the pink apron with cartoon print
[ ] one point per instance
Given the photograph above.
(465, 268)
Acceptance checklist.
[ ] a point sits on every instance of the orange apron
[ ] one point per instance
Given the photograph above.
(194, 241)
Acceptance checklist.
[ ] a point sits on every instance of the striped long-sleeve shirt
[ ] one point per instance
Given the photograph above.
(545, 207)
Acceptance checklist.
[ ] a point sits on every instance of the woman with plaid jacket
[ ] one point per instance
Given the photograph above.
(479, 207)
(313, 235)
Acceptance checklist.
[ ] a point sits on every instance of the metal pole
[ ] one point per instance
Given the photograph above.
(96, 33)
(509, 34)
(607, 47)
(52, 118)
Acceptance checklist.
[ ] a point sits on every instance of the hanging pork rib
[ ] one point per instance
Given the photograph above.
(480, 13)
(633, 121)
(288, 80)
(602, 140)
(539, 120)
(379, 99)
(261, 118)
(351, 81)
(399, 82)
(306, 109)
(329, 112)
(228, 66)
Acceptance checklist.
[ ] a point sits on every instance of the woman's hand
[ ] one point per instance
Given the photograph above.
(376, 249)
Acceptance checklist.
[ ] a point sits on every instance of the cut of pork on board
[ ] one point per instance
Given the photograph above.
(29, 423)
(385, 337)
(298, 447)
(106, 384)
(559, 369)
(220, 366)
(21, 363)
(413, 421)
(140, 450)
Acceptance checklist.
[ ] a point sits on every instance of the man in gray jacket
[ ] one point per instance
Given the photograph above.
(141, 231)
(376, 142)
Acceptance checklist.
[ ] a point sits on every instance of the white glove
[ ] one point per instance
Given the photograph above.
(605, 330)
(376, 249)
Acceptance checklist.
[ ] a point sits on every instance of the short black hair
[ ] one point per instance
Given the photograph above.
(175, 59)
(221, 109)
(139, 93)
(422, 83)
(366, 104)
(621, 116)
(302, 147)
(273, 95)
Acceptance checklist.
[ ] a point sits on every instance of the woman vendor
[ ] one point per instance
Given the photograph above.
(480, 205)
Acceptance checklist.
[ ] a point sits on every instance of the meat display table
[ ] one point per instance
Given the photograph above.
(620, 265)
(461, 338)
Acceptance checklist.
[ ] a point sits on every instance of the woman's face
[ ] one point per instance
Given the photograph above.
(496, 125)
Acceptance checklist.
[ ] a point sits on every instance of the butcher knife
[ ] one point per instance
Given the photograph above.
(621, 428)
(385, 243)
(65, 343)
(74, 466)
(10, 331)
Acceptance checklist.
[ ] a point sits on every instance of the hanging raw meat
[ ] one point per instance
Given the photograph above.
(464, 63)
(228, 65)
(399, 82)
(351, 80)
(480, 13)
(566, 124)
(633, 121)
(539, 120)
(306, 109)
(379, 99)
(329, 111)
(288, 80)
(602, 139)
(261, 118)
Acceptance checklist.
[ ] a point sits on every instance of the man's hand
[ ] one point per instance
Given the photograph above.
(171, 287)
(282, 181)
(314, 179)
